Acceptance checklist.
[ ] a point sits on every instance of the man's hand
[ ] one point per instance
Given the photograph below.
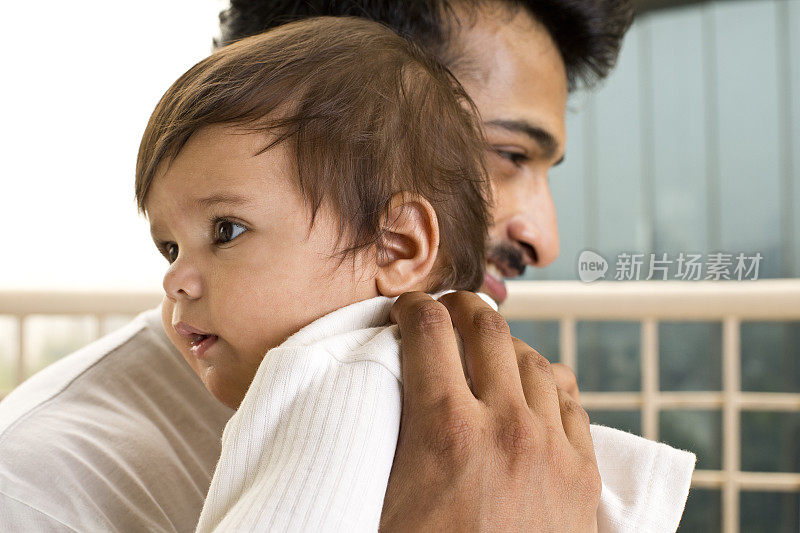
(565, 378)
(515, 455)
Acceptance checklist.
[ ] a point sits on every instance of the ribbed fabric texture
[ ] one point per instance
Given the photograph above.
(312, 444)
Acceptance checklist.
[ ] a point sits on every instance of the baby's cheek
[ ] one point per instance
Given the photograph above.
(167, 307)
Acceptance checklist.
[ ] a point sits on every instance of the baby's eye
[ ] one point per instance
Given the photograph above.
(170, 251)
(226, 231)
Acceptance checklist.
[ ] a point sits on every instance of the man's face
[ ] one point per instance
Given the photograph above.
(245, 270)
(516, 77)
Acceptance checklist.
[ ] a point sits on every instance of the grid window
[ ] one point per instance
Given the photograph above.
(541, 336)
(709, 367)
(698, 431)
(690, 356)
(609, 354)
(771, 356)
(703, 512)
(770, 441)
(630, 421)
(777, 512)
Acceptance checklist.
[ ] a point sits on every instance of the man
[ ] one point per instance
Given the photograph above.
(122, 435)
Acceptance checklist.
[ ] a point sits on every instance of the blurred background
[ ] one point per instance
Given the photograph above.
(692, 145)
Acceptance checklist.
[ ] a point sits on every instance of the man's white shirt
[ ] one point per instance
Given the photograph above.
(119, 436)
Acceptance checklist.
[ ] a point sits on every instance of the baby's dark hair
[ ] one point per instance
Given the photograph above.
(587, 33)
(367, 115)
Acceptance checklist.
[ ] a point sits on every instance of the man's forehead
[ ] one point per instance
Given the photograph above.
(513, 71)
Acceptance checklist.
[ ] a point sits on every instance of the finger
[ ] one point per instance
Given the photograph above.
(576, 423)
(430, 362)
(488, 350)
(565, 378)
(538, 383)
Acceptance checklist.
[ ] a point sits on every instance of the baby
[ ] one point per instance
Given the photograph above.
(297, 182)
(285, 177)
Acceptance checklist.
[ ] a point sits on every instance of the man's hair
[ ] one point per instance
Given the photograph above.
(587, 33)
(367, 115)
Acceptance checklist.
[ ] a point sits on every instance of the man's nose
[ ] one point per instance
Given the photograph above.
(183, 280)
(538, 239)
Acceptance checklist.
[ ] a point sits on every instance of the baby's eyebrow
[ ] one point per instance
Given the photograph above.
(155, 229)
(204, 203)
(216, 199)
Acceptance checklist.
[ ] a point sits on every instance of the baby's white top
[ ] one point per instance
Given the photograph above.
(312, 444)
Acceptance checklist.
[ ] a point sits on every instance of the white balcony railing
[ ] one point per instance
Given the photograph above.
(650, 303)
(568, 302)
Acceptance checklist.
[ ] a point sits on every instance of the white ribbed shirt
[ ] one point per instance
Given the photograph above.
(312, 443)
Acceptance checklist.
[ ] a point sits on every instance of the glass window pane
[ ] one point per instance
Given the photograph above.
(697, 431)
(679, 109)
(770, 441)
(49, 338)
(608, 356)
(689, 356)
(8, 353)
(630, 421)
(703, 512)
(541, 336)
(770, 511)
(770, 361)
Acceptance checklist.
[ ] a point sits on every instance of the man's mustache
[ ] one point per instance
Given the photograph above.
(509, 256)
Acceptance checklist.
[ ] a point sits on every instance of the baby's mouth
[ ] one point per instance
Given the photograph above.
(201, 344)
(199, 340)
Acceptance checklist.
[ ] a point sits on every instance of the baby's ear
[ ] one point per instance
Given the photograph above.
(408, 246)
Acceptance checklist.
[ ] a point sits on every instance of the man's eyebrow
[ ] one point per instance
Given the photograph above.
(225, 199)
(539, 135)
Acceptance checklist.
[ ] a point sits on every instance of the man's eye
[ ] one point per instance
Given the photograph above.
(515, 157)
(226, 231)
(170, 251)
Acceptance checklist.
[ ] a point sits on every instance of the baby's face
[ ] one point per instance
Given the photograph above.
(245, 270)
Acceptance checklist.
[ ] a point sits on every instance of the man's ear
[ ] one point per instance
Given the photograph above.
(408, 245)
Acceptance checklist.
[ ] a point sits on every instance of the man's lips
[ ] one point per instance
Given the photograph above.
(199, 341)
(493, 283)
